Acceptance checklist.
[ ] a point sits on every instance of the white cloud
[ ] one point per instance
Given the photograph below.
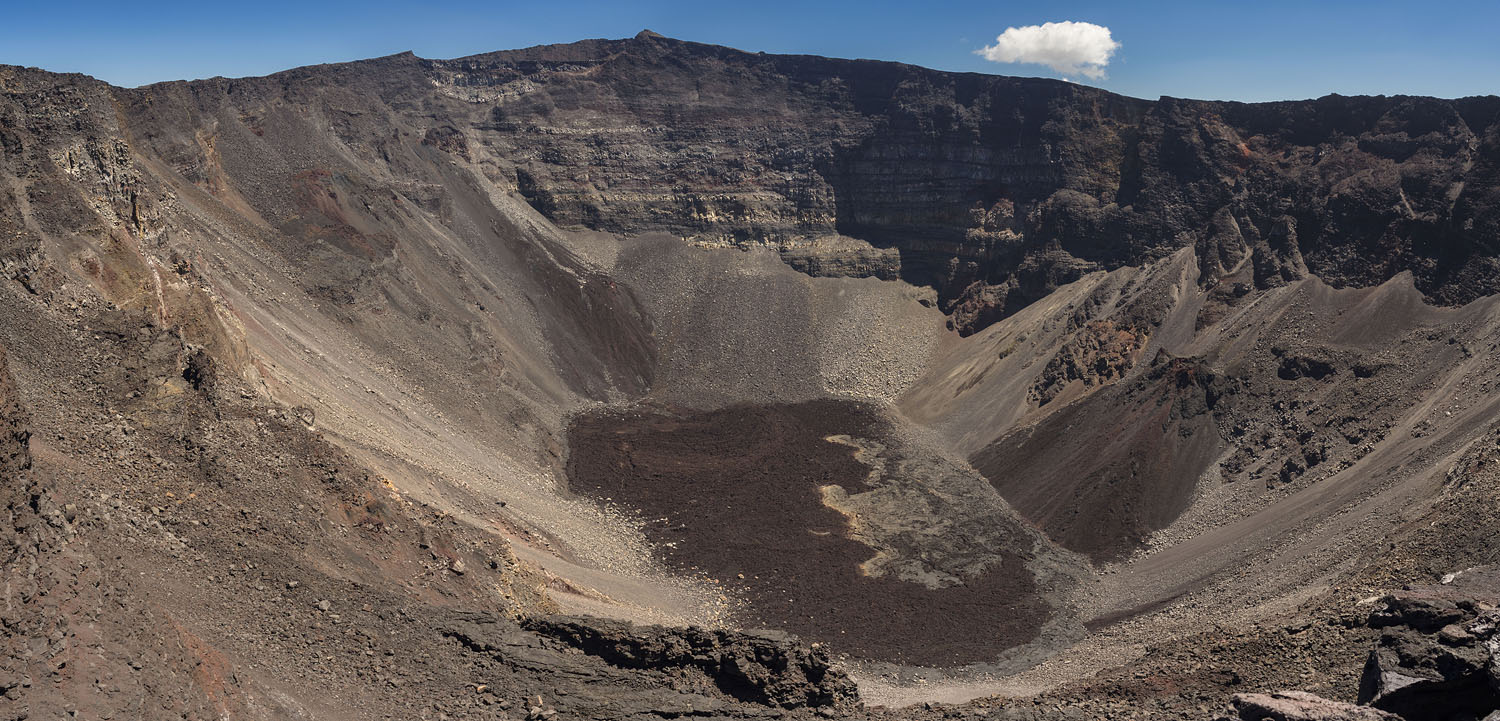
(1070, 48)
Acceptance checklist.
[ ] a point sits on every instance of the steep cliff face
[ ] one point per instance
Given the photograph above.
(993, 190)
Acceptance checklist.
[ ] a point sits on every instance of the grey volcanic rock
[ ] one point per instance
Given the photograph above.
(1301, 706)
(1436, 659)
(766, 667)
(605, 669)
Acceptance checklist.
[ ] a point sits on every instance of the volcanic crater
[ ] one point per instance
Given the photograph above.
(567, 380)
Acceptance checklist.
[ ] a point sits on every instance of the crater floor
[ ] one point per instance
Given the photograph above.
(740, 494)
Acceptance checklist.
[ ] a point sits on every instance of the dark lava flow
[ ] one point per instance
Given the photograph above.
(735, 494)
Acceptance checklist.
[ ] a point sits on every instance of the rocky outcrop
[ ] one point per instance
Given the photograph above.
(596, 668)
(765, 667)
(1101, 353)
(1300, 706)
(844, 257)
(1438, 658)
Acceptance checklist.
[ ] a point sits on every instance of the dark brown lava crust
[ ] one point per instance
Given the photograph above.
(735, 492)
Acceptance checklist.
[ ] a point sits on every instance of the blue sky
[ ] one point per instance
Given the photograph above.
(1267, 50)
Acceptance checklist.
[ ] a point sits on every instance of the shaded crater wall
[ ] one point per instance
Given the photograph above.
(994, 190)
(1101, 475)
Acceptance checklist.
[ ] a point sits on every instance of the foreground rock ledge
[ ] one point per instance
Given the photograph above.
(763, 667)
(1301, 706)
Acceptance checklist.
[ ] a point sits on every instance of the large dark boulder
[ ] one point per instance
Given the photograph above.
(1435, 660)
